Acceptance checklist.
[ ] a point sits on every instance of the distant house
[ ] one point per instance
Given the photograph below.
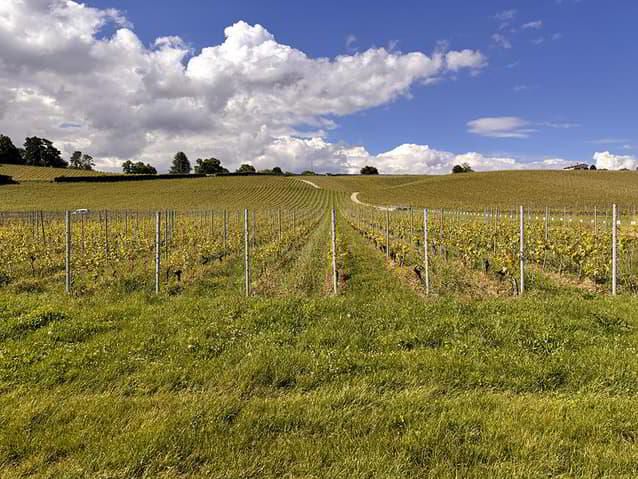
(578, 166)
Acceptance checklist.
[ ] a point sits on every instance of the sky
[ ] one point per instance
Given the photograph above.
(408, 86)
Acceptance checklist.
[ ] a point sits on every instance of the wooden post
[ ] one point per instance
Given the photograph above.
(83, 241)
(522, 251)
(441, 233)
(333, 230)
(158, 250)
(546, 223)
(44, 239)
(67, 252)
(614, 250)
(246, 254)
(106, 234)
(225, 238)
(426, 255)
(254, 231)
(387, 233)
(411, 226)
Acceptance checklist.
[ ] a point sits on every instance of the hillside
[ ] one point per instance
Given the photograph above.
(477, 190)
(184, 194)
(501, 188)
(37, 173)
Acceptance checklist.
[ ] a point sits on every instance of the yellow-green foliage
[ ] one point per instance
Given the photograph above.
(378, 382)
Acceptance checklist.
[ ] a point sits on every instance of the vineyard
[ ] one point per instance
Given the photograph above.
(274, 329)
(87, 251)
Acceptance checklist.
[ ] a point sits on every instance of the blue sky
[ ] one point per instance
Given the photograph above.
(538, 84)
(583, 76)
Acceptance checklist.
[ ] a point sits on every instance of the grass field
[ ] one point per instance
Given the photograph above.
(36, 173)
(577, 189)
(495, 189)
(379, 381)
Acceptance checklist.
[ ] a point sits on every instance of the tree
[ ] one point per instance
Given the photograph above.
(181, 165)
(41, 152)
(138, 168)
(9, 154)
(462, 168)
(308, 173)
(246, 168)
(81, 161)
(209, 166)
(369, 170)
(275, 171)
(592, 167)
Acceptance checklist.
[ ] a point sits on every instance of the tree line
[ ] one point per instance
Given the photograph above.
(212, 166)
(41, 152)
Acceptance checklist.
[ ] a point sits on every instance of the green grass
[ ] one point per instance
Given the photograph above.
(502, 189)
(505, 189)
(293, 382)
(35, 173)
(379, 382)
(187, 194)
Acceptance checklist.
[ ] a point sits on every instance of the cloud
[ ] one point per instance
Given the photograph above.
(322, 156)
(535, 25)
(560, 125)
(465, 59)
(609, 141)
(501, 41)
(609, 161)
(351, 40)
(505, 15)
(65, 63)
(500, 127)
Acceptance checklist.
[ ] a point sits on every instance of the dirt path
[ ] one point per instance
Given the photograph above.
(355, 199)
(314, 185)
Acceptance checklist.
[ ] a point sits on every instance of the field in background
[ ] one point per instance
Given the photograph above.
(508, 189)
(495, 189)
(188, 194)
(36, 173)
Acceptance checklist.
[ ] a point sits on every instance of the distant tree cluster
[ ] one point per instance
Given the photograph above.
(462, 168)
(209, 166)
(138, 168)
(41, 152)
(181, 165)
(369, 170)
(80, 161)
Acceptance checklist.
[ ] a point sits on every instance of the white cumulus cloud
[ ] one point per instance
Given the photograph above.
(247, 99)
(609, 161)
